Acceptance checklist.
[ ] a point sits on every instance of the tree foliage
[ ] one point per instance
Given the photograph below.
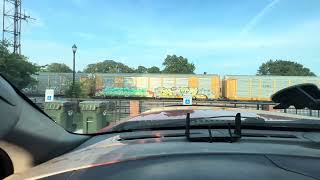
(153, 69)
(16, 68)
(141, 69)
(283, 68)
(57, 67)
(88, 86)
(179, 65)
(108, 66)
(75, 91)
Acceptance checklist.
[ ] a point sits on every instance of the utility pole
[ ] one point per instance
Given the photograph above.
(11, 23)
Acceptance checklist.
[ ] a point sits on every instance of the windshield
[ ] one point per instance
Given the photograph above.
(91, 65)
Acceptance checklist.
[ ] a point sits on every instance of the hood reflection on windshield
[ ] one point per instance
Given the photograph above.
(180, 113)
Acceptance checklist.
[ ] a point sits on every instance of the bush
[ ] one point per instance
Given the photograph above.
(88, 86)
(75, 91)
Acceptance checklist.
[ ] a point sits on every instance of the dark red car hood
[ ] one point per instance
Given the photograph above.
(171, 113)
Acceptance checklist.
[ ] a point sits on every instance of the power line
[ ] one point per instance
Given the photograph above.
(11, 23)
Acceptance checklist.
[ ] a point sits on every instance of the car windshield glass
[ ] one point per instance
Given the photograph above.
(94, 65)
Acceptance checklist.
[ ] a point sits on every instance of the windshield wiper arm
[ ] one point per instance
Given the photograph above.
(235, 136)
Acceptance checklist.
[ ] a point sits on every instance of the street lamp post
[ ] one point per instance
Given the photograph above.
(74, 49)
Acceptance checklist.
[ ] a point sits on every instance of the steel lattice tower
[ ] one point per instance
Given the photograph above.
(11, 23)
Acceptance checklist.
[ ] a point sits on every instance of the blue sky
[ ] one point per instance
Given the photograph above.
(218, 36)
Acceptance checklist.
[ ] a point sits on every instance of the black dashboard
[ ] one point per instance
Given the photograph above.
(260, 154)
(203, 166)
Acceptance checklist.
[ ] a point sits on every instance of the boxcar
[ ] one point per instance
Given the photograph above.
(259, 88)
(57, 81)
(158, 85)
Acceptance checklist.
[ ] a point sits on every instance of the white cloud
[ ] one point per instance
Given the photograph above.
(255, 20)
(80, 3)
(46, 52)
(300, 35)
(36, 21)
(222, 43)
(85, 35)
(42, 51)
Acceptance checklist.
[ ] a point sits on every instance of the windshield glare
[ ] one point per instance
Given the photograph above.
(120, 61)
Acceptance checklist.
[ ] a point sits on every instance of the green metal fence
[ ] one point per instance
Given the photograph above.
(91, 116)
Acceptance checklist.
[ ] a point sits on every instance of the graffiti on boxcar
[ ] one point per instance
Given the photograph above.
(206, 92)
(176, 92)
(30, 90)
(36, 90)
(125, 92)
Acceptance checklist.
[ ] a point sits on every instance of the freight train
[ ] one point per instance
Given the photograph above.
(206, 86)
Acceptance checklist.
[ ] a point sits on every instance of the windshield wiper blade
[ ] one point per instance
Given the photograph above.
(235, 136)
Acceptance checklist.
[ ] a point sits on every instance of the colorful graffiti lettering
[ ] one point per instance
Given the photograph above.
(177, 92)
(205, 92)
(160, 92)
(126, 92)
(174, 92)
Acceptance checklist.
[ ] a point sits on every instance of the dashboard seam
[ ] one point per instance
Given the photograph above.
(277, 165)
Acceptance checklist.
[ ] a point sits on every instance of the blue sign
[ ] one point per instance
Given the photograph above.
(49, 95)
(187, 99)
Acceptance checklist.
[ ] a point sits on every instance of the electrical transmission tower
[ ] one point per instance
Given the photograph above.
(11, 23)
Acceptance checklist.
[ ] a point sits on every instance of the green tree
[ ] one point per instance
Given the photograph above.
(57, 67)
(75, 91)
(108, 66)
(283, 68)
(180, 65)
(153, 69)
(141, 69)
(16, 68)
(88, 86)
